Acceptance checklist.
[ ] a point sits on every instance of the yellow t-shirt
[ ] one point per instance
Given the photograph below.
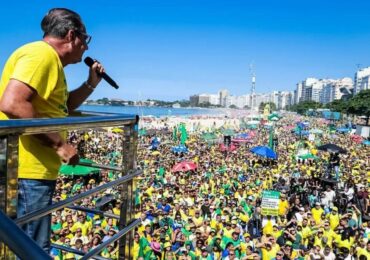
(38, 65)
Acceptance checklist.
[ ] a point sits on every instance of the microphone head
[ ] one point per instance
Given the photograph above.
(89, 61)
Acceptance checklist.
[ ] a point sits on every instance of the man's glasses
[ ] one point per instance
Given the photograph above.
(86, 37)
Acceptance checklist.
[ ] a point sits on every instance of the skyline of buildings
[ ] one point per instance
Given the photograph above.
(310, 89)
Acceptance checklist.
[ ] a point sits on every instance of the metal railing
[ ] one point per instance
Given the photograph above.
(13, 241)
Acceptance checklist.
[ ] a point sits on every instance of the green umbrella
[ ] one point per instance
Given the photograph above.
(208, 136)
(142, 132)
(79, 170)
(228, 132)
(307, 156)
(316, 131)
(252, 126)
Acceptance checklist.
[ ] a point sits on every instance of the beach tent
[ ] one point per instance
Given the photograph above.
(70, 170)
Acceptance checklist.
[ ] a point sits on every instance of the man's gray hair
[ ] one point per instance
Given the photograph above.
(58, 21)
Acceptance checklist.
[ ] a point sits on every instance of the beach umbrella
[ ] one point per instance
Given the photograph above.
(331, 148)
(70, 170)
(307, 156)
(184, 166)
(228, 132)
(230, 148)
(156, 153)
(253, 122)
(240, 140)
(343, 130)
(242, 135)
(142, 132)
(208, 136)
(179, 149)
(366, 142)
(117, 130)
(264, 151)
(316, 131)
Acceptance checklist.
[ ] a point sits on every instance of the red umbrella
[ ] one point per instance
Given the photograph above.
(240, 140)
(225, 148)
(184, 166)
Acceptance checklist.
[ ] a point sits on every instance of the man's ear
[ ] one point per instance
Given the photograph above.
(70, 36)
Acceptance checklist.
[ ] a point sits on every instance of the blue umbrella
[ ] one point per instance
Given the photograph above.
(343, 130)
(264, 151)
(242, 135)
(179, 149)
(366, 142)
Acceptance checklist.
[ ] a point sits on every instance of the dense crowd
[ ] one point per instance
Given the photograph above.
(214, 211)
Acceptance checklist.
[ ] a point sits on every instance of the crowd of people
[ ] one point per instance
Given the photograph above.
(214, 210)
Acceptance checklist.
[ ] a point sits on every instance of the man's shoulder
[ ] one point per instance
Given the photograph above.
(36, 46)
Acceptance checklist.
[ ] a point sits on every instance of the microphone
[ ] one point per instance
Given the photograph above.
(89, 62)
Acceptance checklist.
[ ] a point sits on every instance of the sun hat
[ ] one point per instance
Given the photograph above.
(155, 246)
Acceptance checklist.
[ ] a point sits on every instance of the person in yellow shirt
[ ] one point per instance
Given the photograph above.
(317, 211)
(82, 224)
(333, 218)
(283, 207)
(33, 85)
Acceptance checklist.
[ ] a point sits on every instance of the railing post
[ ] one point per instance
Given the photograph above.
(8, 182)
(130, 139)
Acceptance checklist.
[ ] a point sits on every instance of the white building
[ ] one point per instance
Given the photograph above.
(335, 89)
(362, 80)
(298, 93)
(223, 95)
(214, 99)
(286, 99)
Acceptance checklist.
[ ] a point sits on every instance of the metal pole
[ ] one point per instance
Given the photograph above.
(18, 241)
(127, 205)
(8, 183)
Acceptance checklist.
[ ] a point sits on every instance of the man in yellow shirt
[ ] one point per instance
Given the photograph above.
(317, 211)
(33, 85)
(283, 207)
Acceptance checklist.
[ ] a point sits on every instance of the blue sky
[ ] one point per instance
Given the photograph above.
(170, 49)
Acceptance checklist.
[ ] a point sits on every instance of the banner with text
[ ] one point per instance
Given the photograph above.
(270, 202)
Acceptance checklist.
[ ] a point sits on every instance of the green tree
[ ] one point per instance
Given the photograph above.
(338, 105)
(233, 106)
(303, 107)
(360, 105)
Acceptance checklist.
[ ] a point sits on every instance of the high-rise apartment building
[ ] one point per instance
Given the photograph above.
(362, 80)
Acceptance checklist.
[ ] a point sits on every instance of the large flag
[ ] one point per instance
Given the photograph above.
(184, 134)
(174, 133)
(271, 138)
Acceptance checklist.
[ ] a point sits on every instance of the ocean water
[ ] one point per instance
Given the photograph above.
(150, 111)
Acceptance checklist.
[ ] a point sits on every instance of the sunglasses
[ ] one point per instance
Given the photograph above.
(86, 37)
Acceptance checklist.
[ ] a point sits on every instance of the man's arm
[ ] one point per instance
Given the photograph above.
(79, 95)
(16, 103)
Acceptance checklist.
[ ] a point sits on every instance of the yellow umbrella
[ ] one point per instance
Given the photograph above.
(156, 153)
(117, 130)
